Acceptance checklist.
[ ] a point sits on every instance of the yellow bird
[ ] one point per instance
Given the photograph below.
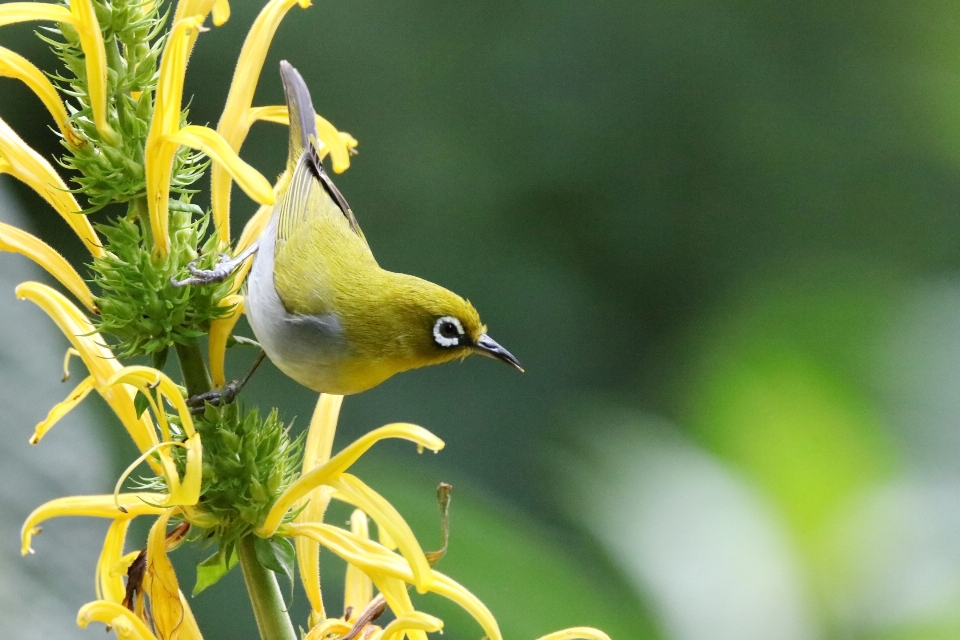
(321, 307)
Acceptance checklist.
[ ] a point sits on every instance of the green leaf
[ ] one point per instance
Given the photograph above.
(140, 403)
(212, 569)
(276, 554)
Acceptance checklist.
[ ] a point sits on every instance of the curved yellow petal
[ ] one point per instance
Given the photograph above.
(325, 628)
(358, 588)
(337, 143)
(96, 356)
(168, 608)
(12, 12)
(63, 408)
(377, 562)
(213, 145)
(83, 18)
(110, 585)
(220, 330)
(95, 57)
(13, 65)
(397, 595)
(233, 125)
(75, 326)
(316, 452)
(577, 633)
(322, 429)
(221, 12)
(127, 625)
(159, 151)
(340, 463)
(146, 379)
(18, 241)
(26, 165)
(414, 620)
(66, 362)
(352, 490)
(103, 506)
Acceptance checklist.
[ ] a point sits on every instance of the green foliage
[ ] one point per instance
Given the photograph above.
(138, 305)
(112, 170)
(248, 461)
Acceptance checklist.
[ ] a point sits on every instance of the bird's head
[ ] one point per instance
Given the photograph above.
(439, 326)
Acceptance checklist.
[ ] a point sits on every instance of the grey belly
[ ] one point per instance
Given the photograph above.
(307, 348)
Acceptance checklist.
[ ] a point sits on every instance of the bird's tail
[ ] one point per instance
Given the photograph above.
(303, 125)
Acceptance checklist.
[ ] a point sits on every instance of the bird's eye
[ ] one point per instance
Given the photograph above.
(447, 331)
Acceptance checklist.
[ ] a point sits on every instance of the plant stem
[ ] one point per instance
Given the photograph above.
(273, 621)
(195, 374)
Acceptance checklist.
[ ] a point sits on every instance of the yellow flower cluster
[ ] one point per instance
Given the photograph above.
(392, 563)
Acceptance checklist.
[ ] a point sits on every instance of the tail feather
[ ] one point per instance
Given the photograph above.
(302, 155)
(303, 124)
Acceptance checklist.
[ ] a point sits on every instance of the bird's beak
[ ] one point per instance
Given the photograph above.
(487, 346)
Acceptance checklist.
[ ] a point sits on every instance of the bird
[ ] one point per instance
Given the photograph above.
(320, 305)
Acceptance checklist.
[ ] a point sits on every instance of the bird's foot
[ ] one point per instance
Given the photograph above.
(225, 266)
(216, 397)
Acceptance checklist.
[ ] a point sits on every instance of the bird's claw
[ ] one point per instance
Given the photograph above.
(206, 276)
(216, 397)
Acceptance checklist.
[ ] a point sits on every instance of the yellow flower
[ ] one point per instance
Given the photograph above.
(153, 408)
(13, 65)
(80, 16)
(369, 563)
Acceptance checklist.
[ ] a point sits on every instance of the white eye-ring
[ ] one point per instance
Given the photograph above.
(447, 331)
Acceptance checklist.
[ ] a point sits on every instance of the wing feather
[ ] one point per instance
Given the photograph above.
(304, 161)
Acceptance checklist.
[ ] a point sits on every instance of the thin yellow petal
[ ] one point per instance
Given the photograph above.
(384, 537)
(127, 625)
(316, 452)
(95, 57)
(13, 65)
(352, 490)
(26, 165)
(135, 504)
(213, 145)
(332, 626)
(358, 588)
(340, 463)
(158, 151)
(66, 362)
(220, 330)
(17, 241)
(337, 143)
(415, 620)
(376, 561)
(397, 595)
(167, 607)
(221, 12)
(146, 379)
(110, 586)
(12, 12)
(233, 125)
(320, 434)
(577, 633)
(75, 326)
(96, 356)
(63, 408)
(188, 493)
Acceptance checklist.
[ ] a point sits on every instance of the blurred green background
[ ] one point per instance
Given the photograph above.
(724, 240)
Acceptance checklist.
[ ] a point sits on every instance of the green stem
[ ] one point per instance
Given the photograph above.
(195, 374)
(273, 621)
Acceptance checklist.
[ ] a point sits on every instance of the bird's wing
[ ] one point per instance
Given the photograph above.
(304, 163)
